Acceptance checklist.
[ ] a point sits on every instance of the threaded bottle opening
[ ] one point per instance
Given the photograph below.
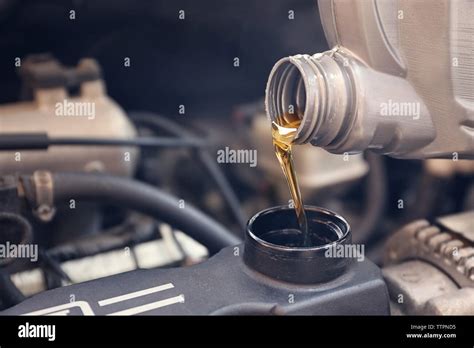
(286, 91)
(318, 90)
(291, 91)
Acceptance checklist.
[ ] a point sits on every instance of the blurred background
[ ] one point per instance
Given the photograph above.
(191, 62)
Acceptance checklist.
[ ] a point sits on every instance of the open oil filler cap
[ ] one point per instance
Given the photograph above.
(274, 245)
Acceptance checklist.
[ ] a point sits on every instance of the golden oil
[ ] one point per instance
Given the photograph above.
(283, 134)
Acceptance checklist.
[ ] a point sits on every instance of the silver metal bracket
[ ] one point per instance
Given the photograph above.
(43, 183)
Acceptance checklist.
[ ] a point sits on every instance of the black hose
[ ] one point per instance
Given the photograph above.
(131, 232)
(54, 274)
(141, 142)
(146, 199)
(10, 295)
(157, 122)
(184, 254)
(15, 229)
(41, 141)
(375, 199)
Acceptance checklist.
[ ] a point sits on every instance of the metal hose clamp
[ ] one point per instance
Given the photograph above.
(43, 183)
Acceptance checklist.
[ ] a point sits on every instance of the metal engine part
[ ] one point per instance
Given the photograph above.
(150, 254)
(91, 113)
(430, 268)
(259, 278)
(223, 285)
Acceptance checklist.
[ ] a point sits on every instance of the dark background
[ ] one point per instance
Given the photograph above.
(173, 61)
(190, 62)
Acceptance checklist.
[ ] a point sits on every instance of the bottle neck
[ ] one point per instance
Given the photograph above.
(318, 89)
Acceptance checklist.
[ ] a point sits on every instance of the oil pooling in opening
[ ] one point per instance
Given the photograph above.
(283, 134)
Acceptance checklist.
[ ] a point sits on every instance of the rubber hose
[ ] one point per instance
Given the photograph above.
(157, 122)
(10, 295)
(375, 199)
(146, 199)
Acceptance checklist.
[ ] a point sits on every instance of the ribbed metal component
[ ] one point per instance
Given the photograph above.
(446, 249)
